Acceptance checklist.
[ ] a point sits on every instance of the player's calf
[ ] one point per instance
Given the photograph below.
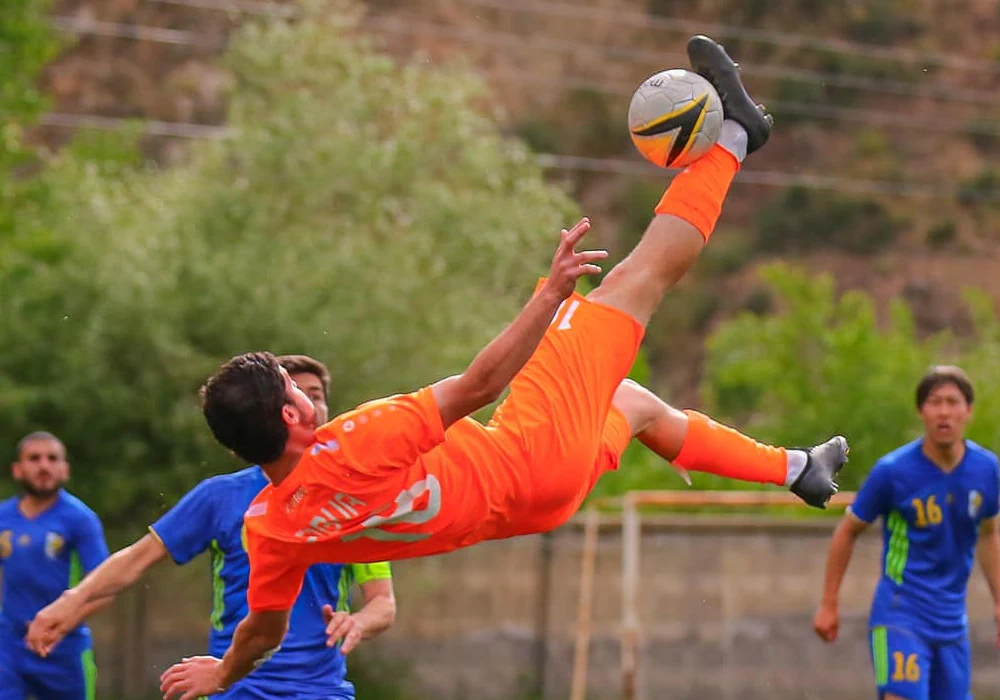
(692, 441)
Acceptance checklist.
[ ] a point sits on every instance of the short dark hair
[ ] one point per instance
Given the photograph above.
(35, 436)
(242, 404)
(940, 375)
(303, 364)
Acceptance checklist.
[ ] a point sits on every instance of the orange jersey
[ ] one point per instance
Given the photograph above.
(385, 481)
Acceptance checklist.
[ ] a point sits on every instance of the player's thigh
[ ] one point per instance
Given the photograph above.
(559, 401)
(12, 685)
(902, 664)
(71, 675)
(951, 671)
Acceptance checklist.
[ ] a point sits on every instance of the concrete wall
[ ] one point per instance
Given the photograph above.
(726, 607)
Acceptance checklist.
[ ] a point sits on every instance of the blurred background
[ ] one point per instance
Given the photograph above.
(377, 184)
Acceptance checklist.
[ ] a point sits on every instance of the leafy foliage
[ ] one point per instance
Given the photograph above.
(824, 365)
(801, 220)
(366, 214)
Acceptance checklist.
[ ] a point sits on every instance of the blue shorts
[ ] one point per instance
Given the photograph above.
(69, 673)
(908, 666)
(249, 689)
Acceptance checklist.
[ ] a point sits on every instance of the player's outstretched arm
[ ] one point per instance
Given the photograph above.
(988, 555)
(375, 616)
(98, 589)
(827, 619)
(497, 364)
(256, 639)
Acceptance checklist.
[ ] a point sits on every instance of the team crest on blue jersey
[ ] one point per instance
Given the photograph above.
(54, 544)
(6, 543)
(975, 503)
(24, 540)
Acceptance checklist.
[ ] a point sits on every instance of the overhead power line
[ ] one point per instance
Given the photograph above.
(645, 21)
(137, 32)
(509, 40)
(814, 110)
(152, 127)
(622, 166)
(521, 42)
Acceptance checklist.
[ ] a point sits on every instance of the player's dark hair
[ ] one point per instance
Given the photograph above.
(303, 364)
(940, 375)
(242, 403)
(35, 436)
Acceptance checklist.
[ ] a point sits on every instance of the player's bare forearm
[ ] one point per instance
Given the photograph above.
(97, 590)
(988, 555)
(839, 557)
(256, 639)
(497, 364)
(379, 611)
(119, 571)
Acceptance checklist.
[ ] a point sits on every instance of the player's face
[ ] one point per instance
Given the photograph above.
(303, 405)
(945, 414)
(312, 386)
(41, 469)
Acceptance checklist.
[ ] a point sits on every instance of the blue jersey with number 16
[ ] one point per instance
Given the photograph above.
(930, 524)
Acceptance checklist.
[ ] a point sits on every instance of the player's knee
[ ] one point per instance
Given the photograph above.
(639, 405)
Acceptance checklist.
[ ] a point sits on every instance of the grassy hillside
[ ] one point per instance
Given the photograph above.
(881, 169)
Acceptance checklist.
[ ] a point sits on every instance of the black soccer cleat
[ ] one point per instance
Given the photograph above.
(817, 483)
(711, 61)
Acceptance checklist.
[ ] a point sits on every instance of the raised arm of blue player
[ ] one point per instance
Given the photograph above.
(182, 533)
(98, 589)
(376, 615)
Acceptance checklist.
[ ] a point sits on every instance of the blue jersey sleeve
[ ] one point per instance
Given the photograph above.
(90, 544)
(187, 529)
(875, 496)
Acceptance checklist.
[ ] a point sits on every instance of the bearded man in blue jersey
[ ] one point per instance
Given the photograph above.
(210, 517)
(938, 498)
(48, 540)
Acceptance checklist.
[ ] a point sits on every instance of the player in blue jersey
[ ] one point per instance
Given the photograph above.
(210, 517)
(938, 498)
(48, 539)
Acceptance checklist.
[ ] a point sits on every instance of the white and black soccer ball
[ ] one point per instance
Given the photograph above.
(674, 118)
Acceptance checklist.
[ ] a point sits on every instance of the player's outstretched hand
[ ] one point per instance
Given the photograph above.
(50, 625)
(568, 265)
(192, 678)
(826, 622)
(342, 625)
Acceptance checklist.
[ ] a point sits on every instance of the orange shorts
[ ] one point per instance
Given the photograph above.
(386, 482)
(560, 410)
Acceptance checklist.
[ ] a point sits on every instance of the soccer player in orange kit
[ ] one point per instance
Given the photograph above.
(412, 475)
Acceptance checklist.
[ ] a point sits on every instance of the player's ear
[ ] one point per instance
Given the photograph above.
(290, 414)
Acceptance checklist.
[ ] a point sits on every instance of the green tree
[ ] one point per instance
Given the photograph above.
(824, 365)
(368, 214)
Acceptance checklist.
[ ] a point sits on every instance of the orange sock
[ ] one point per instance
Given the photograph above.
(716, 449)
(696, 193)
